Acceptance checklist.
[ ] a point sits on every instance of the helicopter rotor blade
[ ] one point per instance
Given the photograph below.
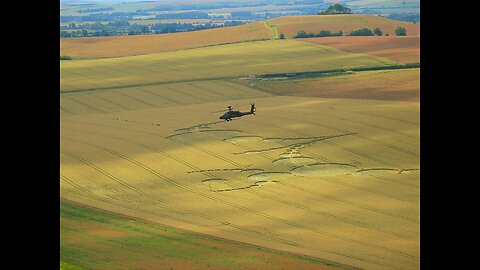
(229, 108)
(219, 111)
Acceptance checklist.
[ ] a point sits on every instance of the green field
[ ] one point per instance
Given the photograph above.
(92, 239)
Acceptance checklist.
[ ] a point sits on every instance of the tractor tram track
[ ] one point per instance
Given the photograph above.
(239, 166)
(395, 196)
(91, 195)
(299, 226)
(269, 158)
(368, 157)
(209, 218)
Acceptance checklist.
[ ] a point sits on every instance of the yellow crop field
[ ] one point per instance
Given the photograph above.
(403, 49)
(157, 96)
(305, 175)
(231, 60)
(381, 85)
(314, 23)
(101, 47)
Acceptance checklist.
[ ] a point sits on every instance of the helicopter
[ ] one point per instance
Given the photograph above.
(232, 114)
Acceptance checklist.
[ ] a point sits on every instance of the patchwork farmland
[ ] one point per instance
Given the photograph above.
(326, 175)
(118, 46)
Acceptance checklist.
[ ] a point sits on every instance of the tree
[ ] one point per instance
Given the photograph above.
(282, 36)
(301, 34)
(361, 32)
(377, 31)
(336, 9)
(324, 33)
(400, 31)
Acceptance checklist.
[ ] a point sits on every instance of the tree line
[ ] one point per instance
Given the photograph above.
(399, 31)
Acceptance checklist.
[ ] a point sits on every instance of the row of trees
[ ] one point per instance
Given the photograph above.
(399, 31)
(322, 33)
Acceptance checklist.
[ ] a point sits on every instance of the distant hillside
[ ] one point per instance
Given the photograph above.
(118, 46)
(100, 47)
(289, 26)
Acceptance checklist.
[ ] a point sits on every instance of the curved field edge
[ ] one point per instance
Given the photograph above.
(219, 62)
(92, 238)
(118, 46)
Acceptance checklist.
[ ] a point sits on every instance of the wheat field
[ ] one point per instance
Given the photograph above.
(306, 175)
(321, 170)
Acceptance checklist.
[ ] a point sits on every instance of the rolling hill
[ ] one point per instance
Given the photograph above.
(118, 46)
(290, 25)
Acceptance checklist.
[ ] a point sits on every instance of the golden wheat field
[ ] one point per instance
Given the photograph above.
(329, 167)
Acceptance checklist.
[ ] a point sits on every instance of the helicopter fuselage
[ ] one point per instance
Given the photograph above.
(232, 114)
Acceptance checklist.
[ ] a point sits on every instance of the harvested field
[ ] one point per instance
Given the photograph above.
(314, 23)
(400, 49)
(227, 61)
(382, 85)
(102, 47)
